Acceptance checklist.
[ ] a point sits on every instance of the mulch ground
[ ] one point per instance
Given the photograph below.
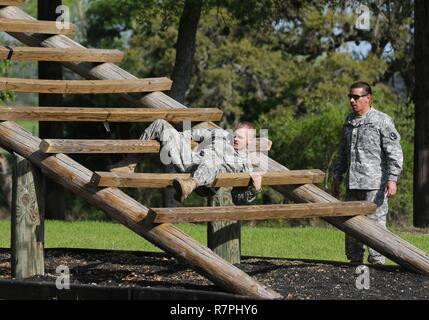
(294, 279)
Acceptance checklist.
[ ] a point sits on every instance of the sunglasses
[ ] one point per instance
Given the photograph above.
(356, 97)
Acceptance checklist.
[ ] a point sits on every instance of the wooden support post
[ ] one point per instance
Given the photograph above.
(27, 220)
(224, 237)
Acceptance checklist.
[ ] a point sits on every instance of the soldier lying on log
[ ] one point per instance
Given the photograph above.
(218, 152)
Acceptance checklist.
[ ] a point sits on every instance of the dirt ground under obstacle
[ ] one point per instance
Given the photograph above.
(293, 278)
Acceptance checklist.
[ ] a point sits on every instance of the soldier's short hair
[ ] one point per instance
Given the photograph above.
(246, 125)
(363, 85)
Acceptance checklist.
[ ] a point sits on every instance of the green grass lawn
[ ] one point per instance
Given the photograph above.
(286, 242)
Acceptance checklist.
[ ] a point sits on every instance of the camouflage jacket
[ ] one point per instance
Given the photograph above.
(370, 152)
(216, 151)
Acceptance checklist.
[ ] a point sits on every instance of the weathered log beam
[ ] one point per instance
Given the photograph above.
(107, 114)
(261, 212)
(37, 26)
(361, 228)
(163, 180)
(73, 176)
(84, 86)
(54, 54)
(74, 146)
(70, 146)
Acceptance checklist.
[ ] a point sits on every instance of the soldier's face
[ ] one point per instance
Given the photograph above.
(359, 100)
(242, 137)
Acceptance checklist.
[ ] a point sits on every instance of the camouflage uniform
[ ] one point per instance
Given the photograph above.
(214, 155)
(370, 154)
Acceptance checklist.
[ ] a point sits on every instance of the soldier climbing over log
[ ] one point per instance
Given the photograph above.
(219, 152)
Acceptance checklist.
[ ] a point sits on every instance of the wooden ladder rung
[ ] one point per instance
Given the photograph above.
(260, 212)
(163, 180)
(87, 146)
(108, 114)
(84, 86)
(75, 146)
(60, 54)
(11, 2)
(34, 26)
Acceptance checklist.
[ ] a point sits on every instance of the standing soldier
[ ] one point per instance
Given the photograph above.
(371, 156)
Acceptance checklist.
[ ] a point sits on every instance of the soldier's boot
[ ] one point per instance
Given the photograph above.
(184, 188)
(376, 258)
(127, 165)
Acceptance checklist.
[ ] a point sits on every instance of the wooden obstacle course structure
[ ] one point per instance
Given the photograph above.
(133, 214)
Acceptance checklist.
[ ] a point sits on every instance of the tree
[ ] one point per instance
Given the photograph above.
(421, 133)
(185, 49)
(54, 194)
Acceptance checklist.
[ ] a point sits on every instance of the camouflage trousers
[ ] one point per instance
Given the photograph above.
(354, 249)
(176, 150)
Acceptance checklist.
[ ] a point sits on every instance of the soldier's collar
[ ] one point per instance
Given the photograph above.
(357, 120)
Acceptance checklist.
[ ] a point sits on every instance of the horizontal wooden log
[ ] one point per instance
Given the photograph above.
(163, 180)
(107, 114)
(271, 178)
(261, 212)
(76, 178)
(362, 228)
(72, 146)
(59, 54)
(84, 86)
(11, 2)
(35, 26)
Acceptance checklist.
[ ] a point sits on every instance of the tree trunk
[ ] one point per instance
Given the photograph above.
(182, 72)
(421, 133)
(185, 49)
(54, 194)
